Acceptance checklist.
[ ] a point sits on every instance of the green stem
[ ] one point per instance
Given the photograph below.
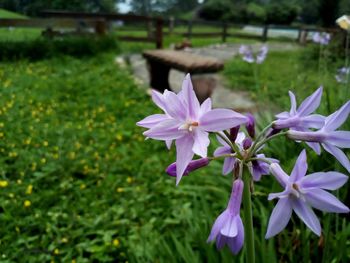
(256, 79)
(248, 217)
(252, 149)
(347, 63)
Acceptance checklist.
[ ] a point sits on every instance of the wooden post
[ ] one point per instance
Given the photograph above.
(303, 37)
(159, 33)
(189, 31)
(100, 27)
(171, 25)
(264, 33)
(300, 30)
(224, 32)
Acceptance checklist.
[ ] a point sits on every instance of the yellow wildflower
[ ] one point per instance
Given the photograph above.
(4, 183)
(56, 251)
(129, 180)
(82, 186)
(29, 189)
(116, 242)
(45, 143)
(27, 203)
(120, 189)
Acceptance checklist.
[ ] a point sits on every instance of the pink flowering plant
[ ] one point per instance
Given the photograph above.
(188, 124)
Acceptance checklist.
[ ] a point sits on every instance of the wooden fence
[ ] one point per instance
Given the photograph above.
(154, 24)
(49, 25)
(224, 30)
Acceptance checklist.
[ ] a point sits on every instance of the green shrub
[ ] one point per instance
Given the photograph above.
(45, 48)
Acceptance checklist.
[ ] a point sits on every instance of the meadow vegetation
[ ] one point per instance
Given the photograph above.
(79, 183)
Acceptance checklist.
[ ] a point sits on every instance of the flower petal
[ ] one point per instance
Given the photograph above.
(201, 143)
(324, 201)
(205, 107)
(218, 225)
(293, 104)
(336, 119)
(235, 244)
(152, 120)
(308, 216)
(184, 155)
(222, 150)
(300, 168)
(168, 143)
(191, 101)
(340, 139)
(338, 154)
(283, 115)
(229, 164)
(279, 218)
(315, 146)
(158, 99)
(221, 119)
(166, 130)
(174, 106)
(311, 103)
(230, 229)
(279, 174)
(313, 121)
(327, 180)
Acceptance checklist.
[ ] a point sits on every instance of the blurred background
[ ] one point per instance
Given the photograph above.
(78, 181)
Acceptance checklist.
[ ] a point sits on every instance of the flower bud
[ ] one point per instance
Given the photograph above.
(193, 165)
(250, 125)
(306, 136)
(272, 132)
(247, 143)
(234, 133)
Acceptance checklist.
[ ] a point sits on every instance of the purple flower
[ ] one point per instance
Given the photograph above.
(187, 122)
(229, 162)
(330, 139)
(342, 75)
(321, 38)
(193, 165)
(228, 227)
(249, 56)
(261, 56)
(300, 118)
(247, 53)
(303, 192)
(260, 168)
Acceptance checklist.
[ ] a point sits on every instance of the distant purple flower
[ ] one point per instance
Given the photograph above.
(188, 123)
(229, 162)
(342, 76)
(330, 139)
(321, 38)
(261, 56)
(228, 227)
(303, 192)
(193, 165)
(301, 119)
(249, 56)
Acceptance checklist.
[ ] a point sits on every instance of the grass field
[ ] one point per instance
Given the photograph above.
(78, 182)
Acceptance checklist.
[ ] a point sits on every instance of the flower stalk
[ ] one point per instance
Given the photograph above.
(248, 216)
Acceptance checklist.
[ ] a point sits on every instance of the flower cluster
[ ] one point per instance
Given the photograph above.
(321, 38)
(249, 56)
(189, 123)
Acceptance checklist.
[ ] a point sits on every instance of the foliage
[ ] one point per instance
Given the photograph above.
(40, 48)
(281, 12)
(34, 7)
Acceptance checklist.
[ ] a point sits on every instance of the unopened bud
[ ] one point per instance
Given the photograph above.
(272, 132)
(247, 143)
(234, 133)
(193, 165)
(250, 125)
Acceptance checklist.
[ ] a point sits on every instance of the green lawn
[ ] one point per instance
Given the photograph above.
(8, 14)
